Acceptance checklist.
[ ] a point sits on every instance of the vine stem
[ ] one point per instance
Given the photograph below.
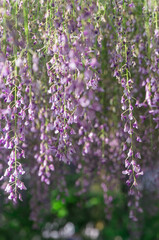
(4, 28)
(156, 15)
(15, 92)
(149, 57)
(26, 29)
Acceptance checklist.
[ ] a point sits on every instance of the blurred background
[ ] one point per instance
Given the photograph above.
(78, 217)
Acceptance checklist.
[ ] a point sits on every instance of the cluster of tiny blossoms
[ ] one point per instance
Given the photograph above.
(79, 87)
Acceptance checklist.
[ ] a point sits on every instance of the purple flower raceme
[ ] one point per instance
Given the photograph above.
(79, 86)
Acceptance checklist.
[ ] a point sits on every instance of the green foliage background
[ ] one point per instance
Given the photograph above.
(80, 210)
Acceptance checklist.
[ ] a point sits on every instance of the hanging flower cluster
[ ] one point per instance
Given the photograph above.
(78, 89)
